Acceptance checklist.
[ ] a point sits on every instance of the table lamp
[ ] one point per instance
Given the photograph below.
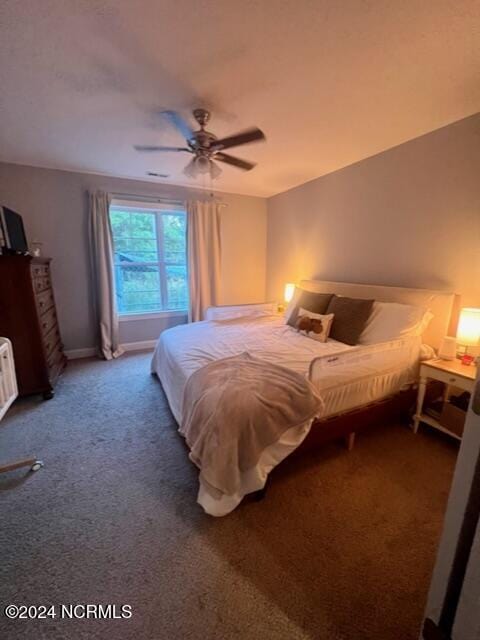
(468, 332)
(288, 294)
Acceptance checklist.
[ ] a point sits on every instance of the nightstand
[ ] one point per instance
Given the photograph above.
(452, 373)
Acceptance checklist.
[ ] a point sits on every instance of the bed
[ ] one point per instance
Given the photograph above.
(356, 383)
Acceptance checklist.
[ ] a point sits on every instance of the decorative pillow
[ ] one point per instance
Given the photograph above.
(308, 300)
(391, 320)
(314, 325)
(351, 315)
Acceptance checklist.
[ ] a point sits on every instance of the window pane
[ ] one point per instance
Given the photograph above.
(150, 270)
(134, 236)
(177, 287)
(174, 238)
(137, 288)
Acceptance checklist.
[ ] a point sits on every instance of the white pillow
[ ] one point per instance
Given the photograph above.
(319, 327)
(234, 312)
(391, 320)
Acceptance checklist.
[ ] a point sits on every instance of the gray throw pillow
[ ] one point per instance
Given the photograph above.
(311, 301)
(350, 318)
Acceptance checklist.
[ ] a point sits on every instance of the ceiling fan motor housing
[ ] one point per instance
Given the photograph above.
(201, 141)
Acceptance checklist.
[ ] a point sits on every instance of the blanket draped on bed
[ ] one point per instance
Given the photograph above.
(234, 408)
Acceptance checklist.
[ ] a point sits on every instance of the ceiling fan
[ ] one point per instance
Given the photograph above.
(205, 146)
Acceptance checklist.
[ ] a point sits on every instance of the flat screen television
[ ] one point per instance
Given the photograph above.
(12, 232)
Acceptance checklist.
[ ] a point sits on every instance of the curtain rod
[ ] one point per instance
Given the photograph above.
(159, 199)
(133, 196)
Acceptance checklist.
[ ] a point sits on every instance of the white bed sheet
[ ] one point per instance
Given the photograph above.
(367, 374)
(185, 348)
(348, 377)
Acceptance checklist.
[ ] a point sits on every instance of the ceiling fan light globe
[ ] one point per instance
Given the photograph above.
(215, 171)
(191, 170)
(202, 164)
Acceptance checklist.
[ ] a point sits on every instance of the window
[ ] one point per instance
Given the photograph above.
(149, 257)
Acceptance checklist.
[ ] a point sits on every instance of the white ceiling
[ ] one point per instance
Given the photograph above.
(329, 82)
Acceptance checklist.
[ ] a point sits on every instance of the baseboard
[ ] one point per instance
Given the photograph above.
(139, 346)
(74, 354)
(90, 352)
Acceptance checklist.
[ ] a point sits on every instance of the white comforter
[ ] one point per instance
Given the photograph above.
(183, 349)
(346, 376)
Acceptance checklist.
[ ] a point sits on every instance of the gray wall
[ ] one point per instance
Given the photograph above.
(54, 208)
(409, 217)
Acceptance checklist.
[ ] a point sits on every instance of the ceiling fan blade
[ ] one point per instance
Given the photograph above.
(142, 147)
(244, 137)
(236, 162)
(181, 124)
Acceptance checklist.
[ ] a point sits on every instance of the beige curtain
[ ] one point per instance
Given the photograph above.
(101, 251)
(203, 242)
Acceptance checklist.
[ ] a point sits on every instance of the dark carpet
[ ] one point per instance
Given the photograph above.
(341, 549)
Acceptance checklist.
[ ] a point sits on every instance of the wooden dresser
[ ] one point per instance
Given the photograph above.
(29, 318)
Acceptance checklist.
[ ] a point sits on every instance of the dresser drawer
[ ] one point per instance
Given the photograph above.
(44, 301)
(51, 340)
(47, 321)
(39, 270)
(55, 356)
(56, 369)
(41, 284)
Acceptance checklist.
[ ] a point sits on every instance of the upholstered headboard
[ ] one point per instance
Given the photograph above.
(440, 303)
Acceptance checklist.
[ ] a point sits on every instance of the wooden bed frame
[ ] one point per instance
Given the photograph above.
(399, 407)
(347, 425)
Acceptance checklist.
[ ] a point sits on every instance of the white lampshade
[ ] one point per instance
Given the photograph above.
(201, 165)
(289, 291)
(468, 332)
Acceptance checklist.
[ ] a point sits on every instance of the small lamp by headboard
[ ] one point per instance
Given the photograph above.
(468, 332)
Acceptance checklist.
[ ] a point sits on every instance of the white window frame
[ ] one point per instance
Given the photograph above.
(155, 208)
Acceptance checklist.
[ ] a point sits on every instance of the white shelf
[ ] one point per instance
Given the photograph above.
(436, 425)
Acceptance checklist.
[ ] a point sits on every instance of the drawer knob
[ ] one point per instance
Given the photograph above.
(452, 380)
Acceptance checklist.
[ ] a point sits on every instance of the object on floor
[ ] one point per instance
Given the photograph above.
(33, 463)
(8, 393)
(8, 381)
